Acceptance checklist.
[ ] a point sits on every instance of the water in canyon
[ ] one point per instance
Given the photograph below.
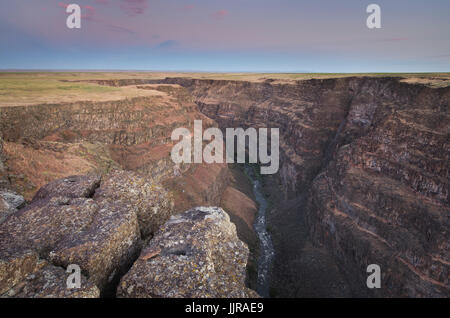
(266, 252)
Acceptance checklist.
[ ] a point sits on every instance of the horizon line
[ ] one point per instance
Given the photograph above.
(196, 71)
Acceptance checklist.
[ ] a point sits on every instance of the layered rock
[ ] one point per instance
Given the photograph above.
(195, 254)
(380, 151)
(369, 155)
(307, 113)
(52, 141)
(384, 197)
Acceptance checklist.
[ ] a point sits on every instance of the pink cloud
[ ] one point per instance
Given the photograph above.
(133, 7)
(63, 5)
(120, 29)
(220, 14)
(189, 7)
(89, 13)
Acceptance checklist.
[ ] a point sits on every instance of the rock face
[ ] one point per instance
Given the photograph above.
(48, 142)
(82, 220)
(152, 203)
(4, 182)
(368, 157)
(92, 213)
(371, 156)
(49, 281)
(9, 203)
(383, 198)
(24, 275)
(195, 254)
(100, 224)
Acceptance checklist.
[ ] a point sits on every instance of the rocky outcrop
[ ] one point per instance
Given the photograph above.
(101, 224)
(195, 254)
(153, 203)
(97, 225)
(10, 202)
(24, 275)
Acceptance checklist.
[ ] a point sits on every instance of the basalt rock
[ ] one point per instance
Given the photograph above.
(153, 204)
(4, 182)
(9, 203)
(78, 220)
(195, 254)
(70, 187)
(371, 156)
(383, 199)
(51, 141)
(49, 281)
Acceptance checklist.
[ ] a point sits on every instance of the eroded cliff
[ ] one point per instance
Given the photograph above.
(370, 156)
(364, 174)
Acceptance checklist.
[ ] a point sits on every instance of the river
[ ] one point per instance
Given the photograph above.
(266, 252)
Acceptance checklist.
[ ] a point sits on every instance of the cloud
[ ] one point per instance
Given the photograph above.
(133, 7)
(119, 29)
(63, 5)
(104, 2)
(88, 13)
(168, 44)
(189, 7)
(220, 14)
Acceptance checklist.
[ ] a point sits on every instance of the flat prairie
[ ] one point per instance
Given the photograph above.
(32, 88)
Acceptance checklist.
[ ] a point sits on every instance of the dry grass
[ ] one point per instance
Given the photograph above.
(18, 89)
(31, 88)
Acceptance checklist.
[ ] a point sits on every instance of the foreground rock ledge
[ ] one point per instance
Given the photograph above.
(95, 223)
(195, 254)
(101, 224)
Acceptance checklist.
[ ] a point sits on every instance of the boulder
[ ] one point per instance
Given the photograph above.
(194, 254)
(70, 187)
(152, 202)
(49, 281)
(81, 220)
(14, 266)
(104, 249)
(9, 203)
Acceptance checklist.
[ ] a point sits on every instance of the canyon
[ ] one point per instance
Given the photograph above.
(363, 179)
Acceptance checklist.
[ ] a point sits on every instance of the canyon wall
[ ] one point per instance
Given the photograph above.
(371, 156)
(110, 163)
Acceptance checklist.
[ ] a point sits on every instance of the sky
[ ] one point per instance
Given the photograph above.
(226, 36)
